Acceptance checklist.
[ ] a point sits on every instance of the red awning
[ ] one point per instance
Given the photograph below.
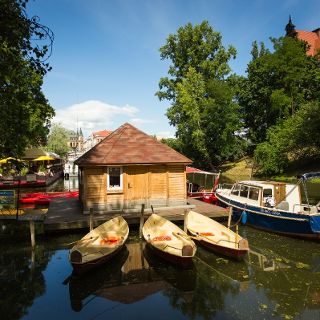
(195, 170)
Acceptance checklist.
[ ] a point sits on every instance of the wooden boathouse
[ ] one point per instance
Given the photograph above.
(130, 168)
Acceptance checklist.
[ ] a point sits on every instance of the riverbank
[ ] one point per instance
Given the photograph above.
(243, 170)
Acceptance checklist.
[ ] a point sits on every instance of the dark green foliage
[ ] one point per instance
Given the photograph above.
(24, 111)
(277, 84)
(297, 138)
(202, 107)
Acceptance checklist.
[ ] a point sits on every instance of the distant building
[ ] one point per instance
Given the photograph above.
(95, 138)
(76, 141)
(311, 37)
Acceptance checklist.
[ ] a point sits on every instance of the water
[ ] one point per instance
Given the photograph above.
(280, 279)
(62, 184)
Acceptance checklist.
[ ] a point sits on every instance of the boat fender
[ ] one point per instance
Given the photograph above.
(244, 217)
(187, 250)
(76, 256)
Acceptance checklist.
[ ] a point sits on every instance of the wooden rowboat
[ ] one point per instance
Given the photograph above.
(168, 240)
(99, 245)
(215, 236)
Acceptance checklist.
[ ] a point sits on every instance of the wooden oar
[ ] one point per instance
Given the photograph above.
(211, 240)
(187, 248)
(184, 236)
(84, 239)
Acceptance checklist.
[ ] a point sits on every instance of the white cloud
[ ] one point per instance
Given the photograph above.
(93, 115)
(165, 135)
(139, 122)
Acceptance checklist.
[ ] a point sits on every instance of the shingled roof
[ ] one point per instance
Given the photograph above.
(128, 145)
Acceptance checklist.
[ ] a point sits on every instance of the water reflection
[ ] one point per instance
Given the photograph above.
(280, 279)
(134, 275)
(21, 279)
(277, 280)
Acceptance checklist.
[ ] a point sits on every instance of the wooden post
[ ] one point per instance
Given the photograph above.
(141, 220)
(229, 217)
(91, 219)
(237, 235)
(32, 234)
(33, 261)
(185, 220)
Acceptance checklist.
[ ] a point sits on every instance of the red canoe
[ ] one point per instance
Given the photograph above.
(44, 198)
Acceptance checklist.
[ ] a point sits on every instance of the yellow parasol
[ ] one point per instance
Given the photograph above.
(8, 159)
(43, 158)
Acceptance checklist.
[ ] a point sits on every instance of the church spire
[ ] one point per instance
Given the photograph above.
(290, 28)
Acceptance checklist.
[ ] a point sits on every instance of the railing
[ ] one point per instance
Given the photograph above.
(225, 186)
(305, 208)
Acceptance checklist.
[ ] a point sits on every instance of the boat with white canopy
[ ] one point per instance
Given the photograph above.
(274, 206)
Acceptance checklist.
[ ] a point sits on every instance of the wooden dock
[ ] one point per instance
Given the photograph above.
(66, 214)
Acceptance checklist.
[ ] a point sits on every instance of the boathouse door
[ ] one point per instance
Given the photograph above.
(136, 186)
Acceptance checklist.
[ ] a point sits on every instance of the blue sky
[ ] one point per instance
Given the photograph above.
(106, 62)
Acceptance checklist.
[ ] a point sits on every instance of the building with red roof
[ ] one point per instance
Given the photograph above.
(94, 138)
(311, 37)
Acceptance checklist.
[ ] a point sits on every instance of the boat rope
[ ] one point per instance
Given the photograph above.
(238, 221)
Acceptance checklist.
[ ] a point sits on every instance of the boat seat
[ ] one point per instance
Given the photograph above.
(206, 234)
(162, 238)
(109, 241)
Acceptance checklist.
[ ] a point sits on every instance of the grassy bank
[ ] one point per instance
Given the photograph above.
(242, 170)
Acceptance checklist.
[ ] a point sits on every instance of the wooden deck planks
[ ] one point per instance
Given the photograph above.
(66, 214)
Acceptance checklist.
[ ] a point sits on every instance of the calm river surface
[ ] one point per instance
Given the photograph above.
(280, 279)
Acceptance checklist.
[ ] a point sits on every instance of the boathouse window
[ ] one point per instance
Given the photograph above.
(254, 193)
(267, 193)
(235, 190)
(244, 191)
(114, 180)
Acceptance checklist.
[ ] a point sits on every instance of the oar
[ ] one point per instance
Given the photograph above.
(84, 239)
(211, 240)
(184, 236)
(201, 236)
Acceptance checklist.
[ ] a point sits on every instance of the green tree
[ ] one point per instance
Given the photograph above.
(202, 107)
(24, 111)
(277, 84)
(296, 138)
(58, 140)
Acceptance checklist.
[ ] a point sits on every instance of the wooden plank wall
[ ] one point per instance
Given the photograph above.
(157, 185)
(177, 185)
(94, 188)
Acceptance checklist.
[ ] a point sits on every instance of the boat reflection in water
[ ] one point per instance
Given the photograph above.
(270, 282)
(133, 275)
(279, 279)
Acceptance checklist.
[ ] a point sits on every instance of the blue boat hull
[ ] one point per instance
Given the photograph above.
(283, 222)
